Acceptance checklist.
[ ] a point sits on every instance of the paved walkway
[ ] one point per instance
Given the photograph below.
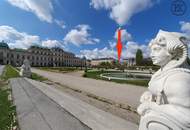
(76, 73)
(43, 107)
(1, 69)
(120, 93)
(36, 111)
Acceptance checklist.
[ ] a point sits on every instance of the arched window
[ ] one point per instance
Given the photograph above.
(18, 56)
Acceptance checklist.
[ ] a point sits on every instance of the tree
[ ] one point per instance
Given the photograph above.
(113, 64)
(147, 62)
(139, 57)
(188, 60)
(105, 65)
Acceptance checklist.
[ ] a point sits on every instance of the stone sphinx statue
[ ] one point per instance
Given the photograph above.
(25, 69)
(166, 104)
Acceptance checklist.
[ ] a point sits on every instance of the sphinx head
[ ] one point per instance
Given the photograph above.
(169, 47)
(26, 62)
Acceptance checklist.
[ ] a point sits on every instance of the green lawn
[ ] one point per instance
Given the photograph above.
(7, 109)
(59, 69)
(8, 119)
(38, 77)
(9, 72)
(96, 75)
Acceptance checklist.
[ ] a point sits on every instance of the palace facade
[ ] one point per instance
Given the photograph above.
(39, 56)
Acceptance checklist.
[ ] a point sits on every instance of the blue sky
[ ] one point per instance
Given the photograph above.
(88, 27)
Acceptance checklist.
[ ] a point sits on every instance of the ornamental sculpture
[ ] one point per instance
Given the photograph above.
(166, 104)
(25, 70)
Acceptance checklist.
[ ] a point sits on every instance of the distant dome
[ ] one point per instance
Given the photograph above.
(4, 45)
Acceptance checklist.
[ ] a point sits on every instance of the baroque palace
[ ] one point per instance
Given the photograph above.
(39, 56)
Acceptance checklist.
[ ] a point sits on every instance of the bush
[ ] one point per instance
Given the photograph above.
(84, 75)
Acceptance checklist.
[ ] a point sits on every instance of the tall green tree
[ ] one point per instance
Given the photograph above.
(105, 65)
(188, 60)
(113, 64)
(139, 57)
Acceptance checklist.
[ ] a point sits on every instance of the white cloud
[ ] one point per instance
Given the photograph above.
(60, 23)
(17, 39)
(52, 43)
(185, 27)
(131, 47)
(112, 45)
(122, 10)
(80, 35)
(41, 8)
(129, 50)
(98, 53)
(125, 36)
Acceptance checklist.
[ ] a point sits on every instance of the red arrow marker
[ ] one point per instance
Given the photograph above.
(119, 45)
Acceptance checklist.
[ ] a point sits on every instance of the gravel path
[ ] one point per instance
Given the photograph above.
(120, 93)
(94, 118)
(36, 111)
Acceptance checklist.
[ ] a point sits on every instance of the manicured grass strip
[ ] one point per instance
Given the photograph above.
(35, 76)
(134, 82)
(8, 119)
(96, 75)
(9, 72)
(38, 77)
(59, 69)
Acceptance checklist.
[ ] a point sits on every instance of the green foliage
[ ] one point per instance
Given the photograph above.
(134, 82)
(7, 109)
(9, 72)
(188, 60)
(59, 69)
(38, 77)
(105, 65)
(147, 62)
(84, 75)
(96, 75)
(139, 57)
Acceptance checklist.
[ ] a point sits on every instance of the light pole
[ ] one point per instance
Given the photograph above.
(84, 65)
(86, 69)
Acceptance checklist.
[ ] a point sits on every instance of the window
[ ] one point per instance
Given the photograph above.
(18, 56)
(12, 56)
